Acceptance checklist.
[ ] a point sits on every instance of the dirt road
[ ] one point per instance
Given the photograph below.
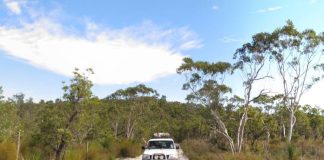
(180, 153)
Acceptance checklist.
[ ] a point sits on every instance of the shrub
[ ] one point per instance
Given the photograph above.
(95, 152)
(197, 149)
(291, 151)
(128, 148)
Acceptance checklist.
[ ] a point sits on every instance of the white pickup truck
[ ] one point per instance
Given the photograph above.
(160, 148)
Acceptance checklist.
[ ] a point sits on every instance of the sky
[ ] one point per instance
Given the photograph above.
(129, 42)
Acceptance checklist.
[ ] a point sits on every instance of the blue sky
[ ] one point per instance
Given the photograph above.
(128, 42)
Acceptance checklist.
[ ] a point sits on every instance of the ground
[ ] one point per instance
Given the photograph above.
(180, 153)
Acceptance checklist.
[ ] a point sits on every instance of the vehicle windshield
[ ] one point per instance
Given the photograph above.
(160, 145)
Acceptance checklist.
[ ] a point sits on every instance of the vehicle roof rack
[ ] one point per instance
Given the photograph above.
(161, 135)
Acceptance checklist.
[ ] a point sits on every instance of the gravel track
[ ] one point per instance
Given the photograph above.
(180, 153)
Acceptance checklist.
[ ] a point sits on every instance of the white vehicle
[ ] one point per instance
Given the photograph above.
(160, 148)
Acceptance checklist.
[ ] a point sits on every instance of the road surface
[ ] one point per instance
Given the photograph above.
(180, 153)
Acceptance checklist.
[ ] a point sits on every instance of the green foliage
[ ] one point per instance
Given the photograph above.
(7, 120)
(204, 81)
(79, 88)
(204, 67)
(1, 92)
(291, 151)
(134, 92)
(82, 126)
(46, 123)
(51, 128)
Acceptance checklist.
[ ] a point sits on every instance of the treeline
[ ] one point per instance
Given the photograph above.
(94, 128)
(118, 125)
(211, 122)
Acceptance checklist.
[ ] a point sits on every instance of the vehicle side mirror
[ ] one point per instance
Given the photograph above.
(143, 147)
(177, 146)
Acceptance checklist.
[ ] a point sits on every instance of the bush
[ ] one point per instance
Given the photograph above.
(291, 151)
(199, 149)
(107, 142)
(128, 148)
(95, 152)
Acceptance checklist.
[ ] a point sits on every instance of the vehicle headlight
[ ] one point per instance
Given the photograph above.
(173, 157)
(145, 157)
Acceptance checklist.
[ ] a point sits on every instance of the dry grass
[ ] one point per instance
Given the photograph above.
(300, 150)
(7, 151)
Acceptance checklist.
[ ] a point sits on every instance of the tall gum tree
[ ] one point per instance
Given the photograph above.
(295, 54)
(252, 64)
(205, 83)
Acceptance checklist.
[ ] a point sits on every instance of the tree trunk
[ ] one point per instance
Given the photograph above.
(283, 130)
(292, 120)
(128, 128)
(129, 124)
(87, 150)
(223, 130)
(240, 131)
(116, 129)
(268, 136)
(18, 146)
(62, 145)
(58, 152)
(268, 140)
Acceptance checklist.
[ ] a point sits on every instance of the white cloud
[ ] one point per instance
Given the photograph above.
(117, 56)
(215, 7)
(190, 44)
(270, 9)
(13, 5)
(176, 38)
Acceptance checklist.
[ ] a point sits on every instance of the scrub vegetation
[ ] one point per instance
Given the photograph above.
(212, 124)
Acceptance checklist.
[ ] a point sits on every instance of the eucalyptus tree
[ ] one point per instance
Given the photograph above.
(77, 95)
(135, 101)
(252, 64)
(295, 55)
(205, 83)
